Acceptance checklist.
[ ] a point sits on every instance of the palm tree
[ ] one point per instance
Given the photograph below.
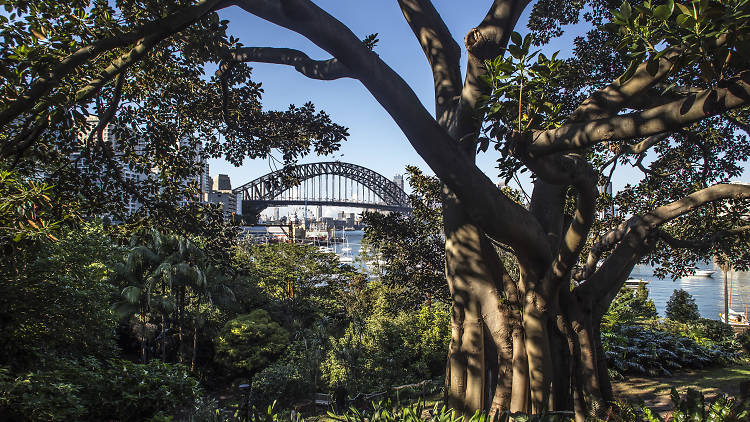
(164, 277)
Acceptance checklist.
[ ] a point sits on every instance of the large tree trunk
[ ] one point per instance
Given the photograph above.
(503, 360)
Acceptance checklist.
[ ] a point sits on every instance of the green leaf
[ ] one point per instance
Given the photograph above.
(652, 66)
(664, 11)
(630, 71)
(684, 9)
(516, 38)
(515, 51)
(685, 21)
(625, 10)
(527, 43)
(131, 294)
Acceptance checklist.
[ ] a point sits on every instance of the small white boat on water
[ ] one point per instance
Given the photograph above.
(634, 283)
(704, 273)
(735, 318)
(325, 249)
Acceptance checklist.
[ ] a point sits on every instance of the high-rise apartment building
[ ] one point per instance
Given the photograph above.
(108, 136)
(222, 194)
(318, 212)
(186, 148)
(399, 180)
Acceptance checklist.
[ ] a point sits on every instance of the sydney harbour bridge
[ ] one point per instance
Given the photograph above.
(328, 183)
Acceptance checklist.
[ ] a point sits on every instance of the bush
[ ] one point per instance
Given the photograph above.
(693, 408)
(681, 307)
(291, 378)
(92, 390)
(744, 340)
(385, 350)
(250, 342)
(636, 350)
(629, 306)
(706, 332)
(58, 304)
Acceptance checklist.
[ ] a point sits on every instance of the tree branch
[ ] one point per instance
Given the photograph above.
(574, 170)
(439, 150)
(731, 93)
(442, 51)
(605, 243)
(675, 209)
(485, 42)
(161, 29)
(315, 69)
(609, 100)
(109, 113)
(635, 237)
(703, 243)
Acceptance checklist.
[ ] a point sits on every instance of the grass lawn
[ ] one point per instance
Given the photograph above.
(655, 391)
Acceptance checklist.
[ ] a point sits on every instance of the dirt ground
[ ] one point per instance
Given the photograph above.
(655, 391)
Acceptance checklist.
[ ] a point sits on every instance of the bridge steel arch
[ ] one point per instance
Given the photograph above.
(265, 190)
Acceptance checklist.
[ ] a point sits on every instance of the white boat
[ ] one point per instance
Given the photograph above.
(346, 256)
(634, 283)
(703, 273)
(325, 249)
(735, 318)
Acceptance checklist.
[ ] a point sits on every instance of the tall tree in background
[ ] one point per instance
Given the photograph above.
(665, 81)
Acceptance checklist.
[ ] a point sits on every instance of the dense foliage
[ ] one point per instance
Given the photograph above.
(681, 307)
(89, 389)
(636, 350)
(250, 342)
(658, 86)
(629, 306)
(388, 350)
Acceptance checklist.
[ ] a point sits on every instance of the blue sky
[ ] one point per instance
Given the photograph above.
(375, 141)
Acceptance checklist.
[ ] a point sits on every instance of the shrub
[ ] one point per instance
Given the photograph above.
(385, 350)
(290, 379)
(58, 303)
(706, 332)
(633, 349)
(744, 340)
(693, 408)
(92, 390)
(250, 342)
(681, 307)
(629, 306)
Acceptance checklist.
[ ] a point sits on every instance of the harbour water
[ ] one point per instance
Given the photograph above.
(707, 291)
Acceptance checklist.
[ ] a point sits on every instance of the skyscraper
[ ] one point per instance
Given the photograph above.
(108, 136)
(399, 180)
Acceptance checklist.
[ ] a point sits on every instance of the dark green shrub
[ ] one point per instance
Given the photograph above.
(681, 307)
(290, 379)
(92, 390)
(250, 342)
(387, 350)
(706, 332)
(744, 341)
(58, 303)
